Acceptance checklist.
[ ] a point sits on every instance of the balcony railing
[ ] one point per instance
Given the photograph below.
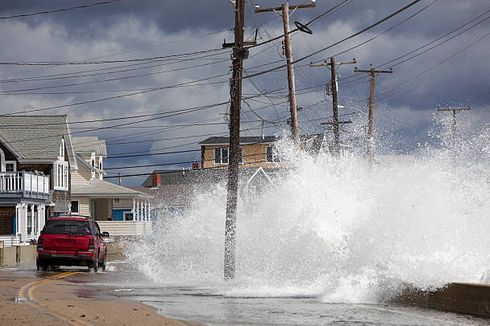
(24, 183)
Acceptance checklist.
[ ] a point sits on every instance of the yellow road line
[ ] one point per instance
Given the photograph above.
(31, 287)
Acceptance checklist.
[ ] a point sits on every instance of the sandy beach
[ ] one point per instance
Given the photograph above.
(64, 298)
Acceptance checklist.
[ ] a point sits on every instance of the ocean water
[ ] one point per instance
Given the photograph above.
(335, 232)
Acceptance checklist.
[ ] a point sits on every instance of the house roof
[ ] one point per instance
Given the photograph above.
(203, 176)
(256, 139)
(83, 145)
(36, 138)
(243, 140)
(96, 188)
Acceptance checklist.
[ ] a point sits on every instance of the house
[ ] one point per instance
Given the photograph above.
(117, 209)
(256, 151)
(36, 156)
(173, 191)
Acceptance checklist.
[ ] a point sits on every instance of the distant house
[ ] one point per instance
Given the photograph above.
(254, 151)
(257, 151)
(36, 156)
(118, 210)
(173, 191)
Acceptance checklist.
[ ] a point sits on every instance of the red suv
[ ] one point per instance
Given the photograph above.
(70, 240)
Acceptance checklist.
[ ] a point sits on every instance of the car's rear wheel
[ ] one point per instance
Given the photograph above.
(95, 265)
(41, 265)
(102, 265)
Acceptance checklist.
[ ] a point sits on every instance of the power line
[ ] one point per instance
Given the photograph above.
(426, 71)
(339, 42)
(385, 31)
(21, 91)
(429, 43)
(58, 10)
(68, 63)
(189, 83)
(324, 14)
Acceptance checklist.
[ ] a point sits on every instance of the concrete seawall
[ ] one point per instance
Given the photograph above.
(17, 256)
(26, 255)
(462, 298)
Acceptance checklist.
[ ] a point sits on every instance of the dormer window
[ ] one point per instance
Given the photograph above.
(62, 149)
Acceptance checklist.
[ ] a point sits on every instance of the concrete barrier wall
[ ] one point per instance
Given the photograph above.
(27, 255)
(8, 256)
(463, 298)
(18, 255)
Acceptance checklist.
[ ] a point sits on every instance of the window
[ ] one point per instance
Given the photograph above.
(10, 166)
(29, 221)
(271, 155)
(75, 206)
(61, 175)
(36, 221)
(67, 227)
(62, 149)
(128, 216)
(221, 155)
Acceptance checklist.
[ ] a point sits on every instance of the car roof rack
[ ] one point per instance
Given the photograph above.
(70, 215)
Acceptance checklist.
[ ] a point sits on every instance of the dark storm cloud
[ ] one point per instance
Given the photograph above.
(141, 28)
(169, 16)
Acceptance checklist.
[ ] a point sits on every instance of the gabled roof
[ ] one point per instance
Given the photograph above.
(88, 145)
(243, 140)
(255, 139)
(36, 139)
(96, 188)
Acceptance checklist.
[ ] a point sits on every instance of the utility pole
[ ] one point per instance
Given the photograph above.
(239, 53)
(335, 107)
(288, 49)
(372, 73)
(453, 111)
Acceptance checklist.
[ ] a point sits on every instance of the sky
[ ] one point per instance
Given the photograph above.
(437, 49)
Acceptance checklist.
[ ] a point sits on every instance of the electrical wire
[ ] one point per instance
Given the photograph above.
(338, 42)
(59, 10)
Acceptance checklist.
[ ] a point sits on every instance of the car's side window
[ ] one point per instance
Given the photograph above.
(97, 228)
(94, 229)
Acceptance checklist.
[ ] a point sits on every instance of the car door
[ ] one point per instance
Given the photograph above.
(100, 241)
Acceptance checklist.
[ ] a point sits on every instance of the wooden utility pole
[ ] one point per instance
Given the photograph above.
(335, 107)
(288, 49)
(239, 53)
(453, 111)
(372, 72)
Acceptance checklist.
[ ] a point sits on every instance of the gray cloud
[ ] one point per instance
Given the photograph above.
(130, 29)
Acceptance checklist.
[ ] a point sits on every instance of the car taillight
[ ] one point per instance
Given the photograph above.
(40, 243)
(91, 244)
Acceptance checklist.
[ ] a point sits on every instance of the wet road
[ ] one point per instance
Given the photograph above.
(206, 305)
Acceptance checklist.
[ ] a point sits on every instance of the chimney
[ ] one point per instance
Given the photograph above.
(156, 180)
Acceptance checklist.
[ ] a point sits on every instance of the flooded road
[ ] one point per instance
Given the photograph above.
(207, 305)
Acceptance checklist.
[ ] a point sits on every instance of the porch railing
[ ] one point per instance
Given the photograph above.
(24, 183)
